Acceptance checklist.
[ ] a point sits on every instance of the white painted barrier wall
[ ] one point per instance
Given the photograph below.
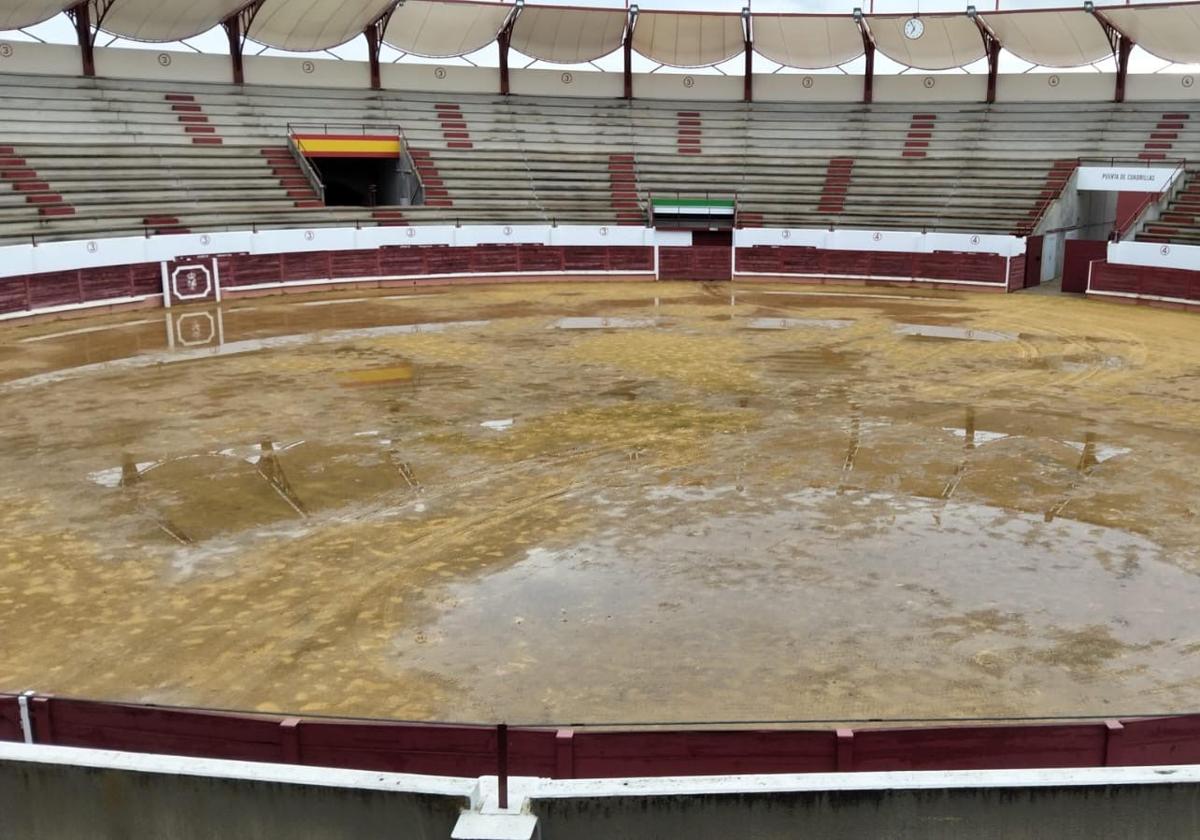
(912, 242)
(16, 260)
(1154, 255)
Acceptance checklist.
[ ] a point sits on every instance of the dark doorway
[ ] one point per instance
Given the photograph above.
(1033, 261)
(361, 182)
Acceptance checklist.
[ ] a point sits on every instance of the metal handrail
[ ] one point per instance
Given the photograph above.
(310, 171)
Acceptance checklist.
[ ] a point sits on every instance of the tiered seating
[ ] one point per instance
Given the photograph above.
(1180, 220)
(126, 159)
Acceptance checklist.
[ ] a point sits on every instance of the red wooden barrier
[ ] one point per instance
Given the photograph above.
(949, 266)
(463, 750)
(1172, 283)
(10, 718)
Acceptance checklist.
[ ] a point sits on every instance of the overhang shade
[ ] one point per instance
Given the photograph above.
(1170, 32)
(307, 25)
(166, 20)
(568, 36)
(948, 41)
(17, 13)
(688, 39)
(1051, 38)
(809, 42)
(445, 30)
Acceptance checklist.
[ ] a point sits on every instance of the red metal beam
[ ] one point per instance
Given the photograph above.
(748, 84)
(627, 48)
(81, 16)
(869, 51)
(991, 46)
(236, 26)
(1122, 45)
(374, 35)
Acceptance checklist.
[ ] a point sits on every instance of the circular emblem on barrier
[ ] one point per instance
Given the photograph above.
(928, 81)
(164, 60)
(688, 81)
(205, 239)
(787, 234)
(604, 231)
(1186, 81)
(92, 247)
(439, 72)
(410, 233)
(1164, 250)
(1053, 81)
(191, 282)
(6, 50)
(567, 78)
(308, 67)
(877, 236)
(507, 230)
(975, 240)
(309, 236)
(806, 82)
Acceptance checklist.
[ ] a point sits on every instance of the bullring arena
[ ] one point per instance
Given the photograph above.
(579, 441)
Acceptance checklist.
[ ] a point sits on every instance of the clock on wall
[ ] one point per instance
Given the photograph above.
(914, 28)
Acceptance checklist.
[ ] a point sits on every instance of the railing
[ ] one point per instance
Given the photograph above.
(310, 171)
(1137, 218)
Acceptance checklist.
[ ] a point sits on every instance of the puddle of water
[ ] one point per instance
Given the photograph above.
(951, 333)
(614, 323)
(796, 323)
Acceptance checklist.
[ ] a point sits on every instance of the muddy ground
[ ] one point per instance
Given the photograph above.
(607, 503)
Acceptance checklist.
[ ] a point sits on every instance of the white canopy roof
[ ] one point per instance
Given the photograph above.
(443, 30)
(1051, 38)
(568, 36)
(305, 25)
(166, 20)
(688, 39)
(1169, 32)
(807, 41)
(17, 13)
(1066, 37)
(948, 41)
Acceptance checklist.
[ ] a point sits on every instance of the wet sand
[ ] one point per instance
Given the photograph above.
(636, 502)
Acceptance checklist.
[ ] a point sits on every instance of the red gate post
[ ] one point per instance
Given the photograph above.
(502, 762)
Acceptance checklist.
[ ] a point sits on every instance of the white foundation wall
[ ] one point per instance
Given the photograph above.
(319, 70)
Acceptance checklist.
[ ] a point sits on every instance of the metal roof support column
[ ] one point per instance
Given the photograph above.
(991, 45)
(1122, 45)
(748, 85)
(869, 50)
(81, 16)
(505, 39)
(627, 50)
(236, 26)
(374, 35)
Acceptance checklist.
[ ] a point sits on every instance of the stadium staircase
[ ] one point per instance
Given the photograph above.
(92, 157)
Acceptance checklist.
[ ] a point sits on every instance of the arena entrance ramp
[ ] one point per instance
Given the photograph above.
(357, 165)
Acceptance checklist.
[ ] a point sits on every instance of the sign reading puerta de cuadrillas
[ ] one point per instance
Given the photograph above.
(1125, 178)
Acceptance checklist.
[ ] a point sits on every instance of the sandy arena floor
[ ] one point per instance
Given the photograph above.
(607, 503)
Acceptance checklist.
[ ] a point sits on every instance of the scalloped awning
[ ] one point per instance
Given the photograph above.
(1051, 38)
(308, 25)
(568, 36)
(809, 42)
(1169, 32)
(445, 30)
(166, 20)
(948, 41)
(688, 39)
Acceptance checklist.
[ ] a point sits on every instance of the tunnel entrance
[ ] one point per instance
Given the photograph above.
(362, 182)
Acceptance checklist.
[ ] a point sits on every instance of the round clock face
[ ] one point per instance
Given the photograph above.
(914, 28)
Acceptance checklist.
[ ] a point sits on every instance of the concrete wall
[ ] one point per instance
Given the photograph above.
(1129, 804)
(65, 793)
